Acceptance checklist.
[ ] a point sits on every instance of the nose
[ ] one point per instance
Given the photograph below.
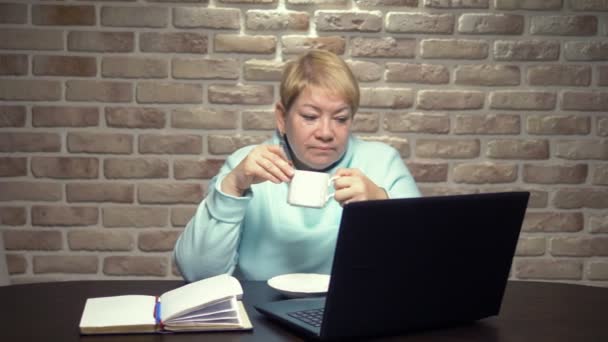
(324, 129)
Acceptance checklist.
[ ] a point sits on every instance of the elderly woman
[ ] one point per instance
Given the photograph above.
(245, 224)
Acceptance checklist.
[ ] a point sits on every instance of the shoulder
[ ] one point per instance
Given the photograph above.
(362, 148)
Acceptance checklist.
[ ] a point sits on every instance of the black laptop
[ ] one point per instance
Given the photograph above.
(409, 264)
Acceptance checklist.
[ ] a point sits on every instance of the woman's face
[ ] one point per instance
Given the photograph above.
(317, 127)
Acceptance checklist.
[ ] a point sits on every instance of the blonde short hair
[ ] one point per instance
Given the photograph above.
(322, 69)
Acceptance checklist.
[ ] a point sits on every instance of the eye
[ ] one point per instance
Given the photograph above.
(342, 119)
(309, 117)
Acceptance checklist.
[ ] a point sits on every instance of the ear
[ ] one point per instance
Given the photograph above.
(280, 117)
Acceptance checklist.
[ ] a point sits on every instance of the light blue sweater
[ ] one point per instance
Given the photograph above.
(260, 235)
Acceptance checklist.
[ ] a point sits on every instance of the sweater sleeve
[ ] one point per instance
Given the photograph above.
(399, 181)
(208, 246)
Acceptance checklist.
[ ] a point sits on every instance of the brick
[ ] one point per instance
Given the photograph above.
(13, 64)
(12, 216)
(41, 240)
(538, 198)
(135, 117)
(375, 3)
(176, 193)
(197, 169)
(169, 92)
(453, 49)
(31, 39)
(304, 2)
(417, 73)
(258, 120)
(600, 175)
(382, 47)
(481, 23)
(526, 50)
(486, 124)
(450, 99)
(487, 75)
(262, 70)
(365, 122)
(170, 144)
(91, 41)
(148, 16)
(134, 217)
(85, 240)
(456, 3)
(598, 223)
(12, 116)
(181, 216)
(16, 264)
(571, 246)
(366, 71)
(81, 264)
(29, 90)
(246, 94)
(417, 122)
(13, 13)
(527, 100)
(585, 101)
(226, 144)
(258, 44)
(203, 118)
(588, 5)
(581, 149)
(264, 20)
(302, 44)
(436, 190)
(119, 168)
(484, 173)
(549, 269)
(555, 173)
(64, 216)
(558, 124)
(63, 116)
(518, 149)
(400, 144)
(576, 198)
(328, 21)
(447, 148)
(531, 246)
(30, 191)
(572, 25)
(29, 142)
(560, 75)
(208, 68)
(602, 72)
(210, 18)
(63, 15)
(100, 192)
(135, 266)
(395, 98)
(85, 142)
(178, 42)
(134, 67)
(428, 172)
(13, 166)
(420, 23)
(586, 50)
(528, 4)
(157, 241)
(65, 167)
(98, 91)
(602, 127)
(597, 270)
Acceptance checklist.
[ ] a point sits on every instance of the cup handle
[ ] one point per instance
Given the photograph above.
(329, 182)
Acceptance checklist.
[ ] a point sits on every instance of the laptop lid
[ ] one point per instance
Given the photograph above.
(417, 263)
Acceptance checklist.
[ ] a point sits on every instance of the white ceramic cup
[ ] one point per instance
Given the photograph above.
(310, 189)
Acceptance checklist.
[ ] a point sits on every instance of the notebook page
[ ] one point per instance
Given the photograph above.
(118, 311)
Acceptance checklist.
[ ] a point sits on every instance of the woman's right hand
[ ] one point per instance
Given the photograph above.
(263, 163)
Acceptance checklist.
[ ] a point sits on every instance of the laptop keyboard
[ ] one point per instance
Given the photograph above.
(312, 317)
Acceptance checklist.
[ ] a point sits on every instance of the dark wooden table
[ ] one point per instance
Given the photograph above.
(531, 311)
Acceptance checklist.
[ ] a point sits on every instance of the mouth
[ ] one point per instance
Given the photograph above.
(322, 148)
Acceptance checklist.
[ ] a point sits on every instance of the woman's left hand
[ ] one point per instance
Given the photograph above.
(352, 185)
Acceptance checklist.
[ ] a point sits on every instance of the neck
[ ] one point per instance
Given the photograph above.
(298, 164)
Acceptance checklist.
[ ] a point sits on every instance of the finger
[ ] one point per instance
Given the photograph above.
(270, 167)
(276, 149)
(284, 165)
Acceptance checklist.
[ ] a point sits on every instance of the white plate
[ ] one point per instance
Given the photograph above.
(300, 284)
